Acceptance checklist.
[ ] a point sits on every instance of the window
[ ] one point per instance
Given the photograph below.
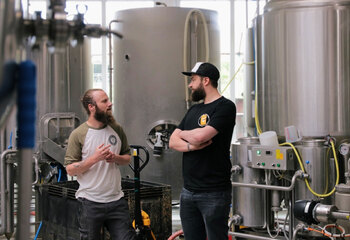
(30, 7)
(234, 18)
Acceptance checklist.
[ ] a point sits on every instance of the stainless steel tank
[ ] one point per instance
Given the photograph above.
(8, 50)
(62, 78)
(305, 73)
(8, 38)
(315, 156)
(247, 203)
(149, 89)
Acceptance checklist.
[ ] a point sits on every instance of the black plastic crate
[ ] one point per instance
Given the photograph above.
(59, 208)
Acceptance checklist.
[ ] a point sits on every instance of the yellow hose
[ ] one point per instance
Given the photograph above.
(303, 169)
(257, 123)
(234, 75)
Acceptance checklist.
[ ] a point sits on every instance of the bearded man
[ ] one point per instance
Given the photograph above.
(204, 137)
(95, 151)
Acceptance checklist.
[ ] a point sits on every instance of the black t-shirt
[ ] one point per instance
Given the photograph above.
(209, 169)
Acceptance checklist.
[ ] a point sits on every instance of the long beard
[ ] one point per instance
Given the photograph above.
(198, 94)
(103, 117)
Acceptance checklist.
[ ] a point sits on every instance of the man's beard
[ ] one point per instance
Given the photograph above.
(198, 94)
(103, 117)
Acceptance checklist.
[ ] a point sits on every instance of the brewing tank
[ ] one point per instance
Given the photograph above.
(62, 78)
(255, 214)
(316, 161)
(149, 90)
(305, 78)
(8, 38)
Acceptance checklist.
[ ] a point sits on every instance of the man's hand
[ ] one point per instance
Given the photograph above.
(111, 157)
(118, 159)
(101, 153)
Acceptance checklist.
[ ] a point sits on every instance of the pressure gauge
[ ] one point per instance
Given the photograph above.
(344, 148)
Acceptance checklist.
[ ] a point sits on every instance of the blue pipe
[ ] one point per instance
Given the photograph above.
(59, 175)
(37, 232)
(10, 146)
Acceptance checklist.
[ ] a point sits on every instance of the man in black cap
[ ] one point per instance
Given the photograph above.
(204, 136)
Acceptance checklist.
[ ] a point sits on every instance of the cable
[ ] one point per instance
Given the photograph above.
(176, 234)
(285, 223)
(326, 233)
(303, 169)
(257, 123)
(277, 231)
(59, 175)
(234, 75)
(37, 232)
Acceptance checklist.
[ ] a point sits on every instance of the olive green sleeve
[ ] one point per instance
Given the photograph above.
(125, 149)
(75, 144)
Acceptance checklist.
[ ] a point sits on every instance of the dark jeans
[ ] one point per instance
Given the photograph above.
(205, 215)
(114, 215)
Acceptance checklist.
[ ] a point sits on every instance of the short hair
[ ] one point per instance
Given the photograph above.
(214, 83)
(88, 99)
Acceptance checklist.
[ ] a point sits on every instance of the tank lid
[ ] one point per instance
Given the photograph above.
(313, 142)
(249, 140)
(283, 4)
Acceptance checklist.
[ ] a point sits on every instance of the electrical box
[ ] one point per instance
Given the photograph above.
(275, 158)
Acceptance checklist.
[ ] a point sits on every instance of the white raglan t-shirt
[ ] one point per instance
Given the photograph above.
(102, 182)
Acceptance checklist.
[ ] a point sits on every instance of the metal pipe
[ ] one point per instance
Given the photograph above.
(36, 162)
(249, 70)
(340, 215)
(24, 193)
(110, 68)
(249, 236)
(298, 174)
(3, 192)
(291, 213)
(299, 227)
(10, 189)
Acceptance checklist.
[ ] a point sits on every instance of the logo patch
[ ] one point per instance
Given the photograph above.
(112, 140)
(203, 120)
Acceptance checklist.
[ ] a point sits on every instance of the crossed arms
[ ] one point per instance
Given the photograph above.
(191, 140)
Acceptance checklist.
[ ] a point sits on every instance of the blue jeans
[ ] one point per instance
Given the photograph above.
(205, 214)
(114, 215)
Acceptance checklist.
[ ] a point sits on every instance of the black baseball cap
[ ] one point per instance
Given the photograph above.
(204, 69)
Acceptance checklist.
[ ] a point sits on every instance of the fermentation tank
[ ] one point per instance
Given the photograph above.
(303, 82)
(62, 78)
(8, 54)
(254, 215)
(149, 89)
(305, 78)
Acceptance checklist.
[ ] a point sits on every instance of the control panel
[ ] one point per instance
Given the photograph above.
(273, 157)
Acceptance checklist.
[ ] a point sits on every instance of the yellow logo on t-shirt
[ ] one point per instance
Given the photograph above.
(203, 120)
